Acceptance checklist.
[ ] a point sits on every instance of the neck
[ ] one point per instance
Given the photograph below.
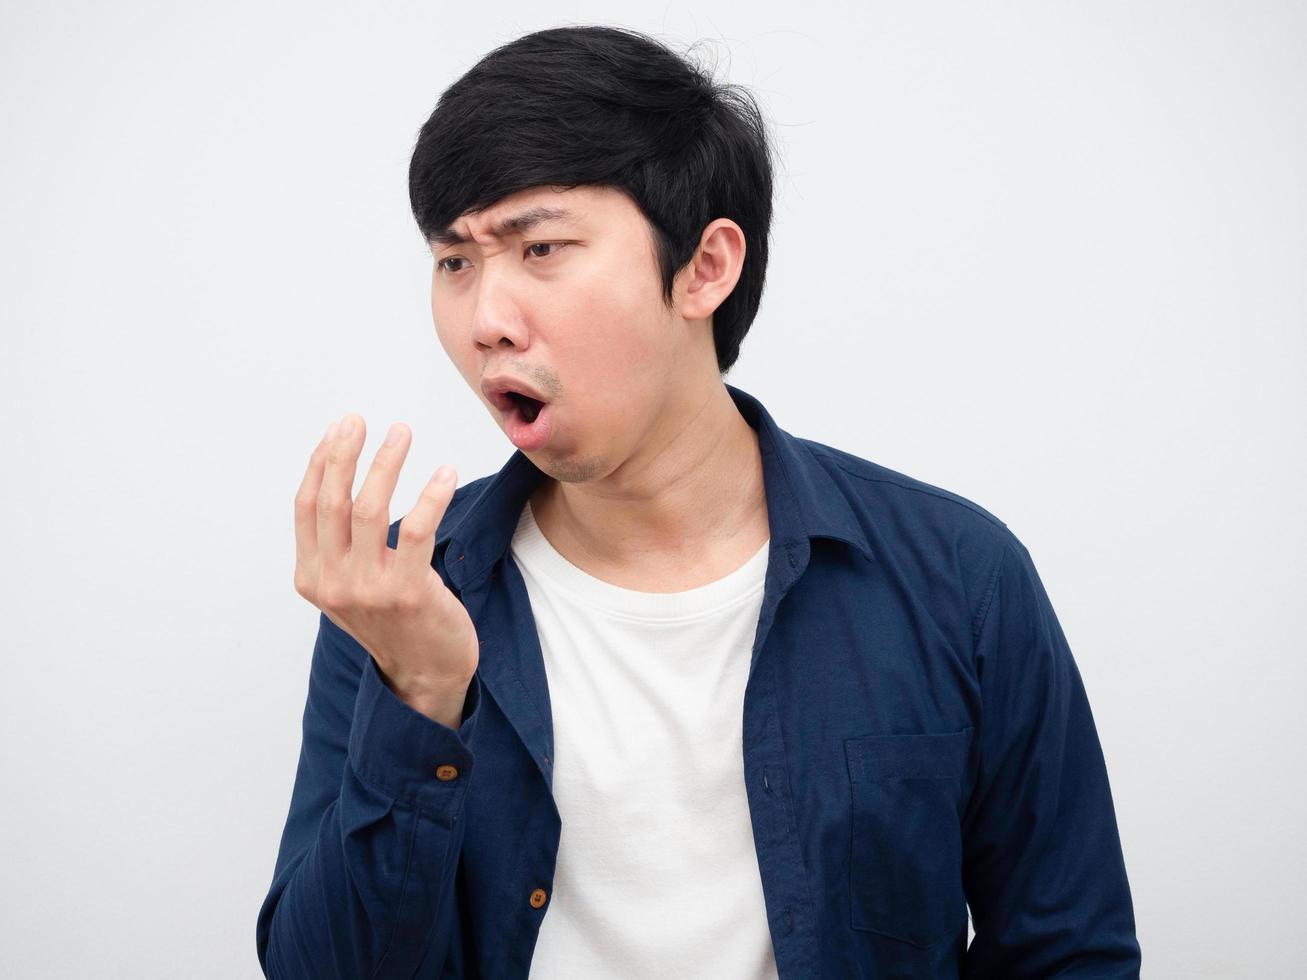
(695, 490)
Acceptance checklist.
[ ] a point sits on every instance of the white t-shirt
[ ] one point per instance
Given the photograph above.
(657, 874)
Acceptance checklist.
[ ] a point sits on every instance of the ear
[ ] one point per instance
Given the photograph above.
(707, 279)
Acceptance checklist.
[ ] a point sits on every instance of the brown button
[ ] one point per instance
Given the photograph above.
(446, 773)
(537, 898)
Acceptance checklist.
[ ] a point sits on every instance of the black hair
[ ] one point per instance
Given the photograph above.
(608, 106)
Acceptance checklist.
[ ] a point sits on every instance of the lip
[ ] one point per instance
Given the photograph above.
(530, 436)
(496, 390)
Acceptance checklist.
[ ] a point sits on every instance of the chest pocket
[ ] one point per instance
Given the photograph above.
(905, 872)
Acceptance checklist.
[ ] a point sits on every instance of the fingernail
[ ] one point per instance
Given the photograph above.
(444, 473)
(346, 427)
(392, 436)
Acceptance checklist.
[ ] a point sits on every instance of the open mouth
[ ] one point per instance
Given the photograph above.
(528, 421)
(529, 407)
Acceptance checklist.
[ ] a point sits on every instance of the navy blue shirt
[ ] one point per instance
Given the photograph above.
(917, 741)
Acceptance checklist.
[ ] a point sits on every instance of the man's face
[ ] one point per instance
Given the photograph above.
(572, 307)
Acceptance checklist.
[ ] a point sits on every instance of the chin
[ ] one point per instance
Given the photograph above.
(567, 468)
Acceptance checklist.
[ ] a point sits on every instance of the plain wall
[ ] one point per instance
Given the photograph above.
(1047, 256)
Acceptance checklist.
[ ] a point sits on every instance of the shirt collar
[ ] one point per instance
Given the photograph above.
(804, 501)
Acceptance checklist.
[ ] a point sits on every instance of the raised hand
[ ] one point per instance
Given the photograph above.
(390, 600)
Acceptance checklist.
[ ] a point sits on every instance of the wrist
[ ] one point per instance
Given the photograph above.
(439, 700)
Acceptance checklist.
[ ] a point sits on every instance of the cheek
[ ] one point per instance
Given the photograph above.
(617, 316)
(447, 342)
(460, 351)
(607, 345)
(446, 319)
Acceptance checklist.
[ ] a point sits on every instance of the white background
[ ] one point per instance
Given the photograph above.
(1048, 256)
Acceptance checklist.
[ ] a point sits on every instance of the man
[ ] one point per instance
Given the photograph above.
(674, 693)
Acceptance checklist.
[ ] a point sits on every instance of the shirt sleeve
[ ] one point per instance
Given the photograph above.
(1043, 868)
(364, 877)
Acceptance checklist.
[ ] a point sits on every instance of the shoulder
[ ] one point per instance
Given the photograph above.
(934, 534)
(892, 488)
(888, 491)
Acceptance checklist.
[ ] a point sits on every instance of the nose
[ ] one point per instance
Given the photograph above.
(497, 319)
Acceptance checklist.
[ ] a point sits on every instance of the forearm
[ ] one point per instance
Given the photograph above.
(364, 880)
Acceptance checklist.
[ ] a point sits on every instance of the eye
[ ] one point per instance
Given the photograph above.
(458, 258)
(554, 245)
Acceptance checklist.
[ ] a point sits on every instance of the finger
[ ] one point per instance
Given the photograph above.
(335, 498)
(417, 531)
(370, 522)
(306, 504)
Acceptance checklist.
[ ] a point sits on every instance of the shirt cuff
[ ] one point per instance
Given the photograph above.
(402, 753)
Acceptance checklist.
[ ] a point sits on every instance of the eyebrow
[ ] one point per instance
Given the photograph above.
(516, 224)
